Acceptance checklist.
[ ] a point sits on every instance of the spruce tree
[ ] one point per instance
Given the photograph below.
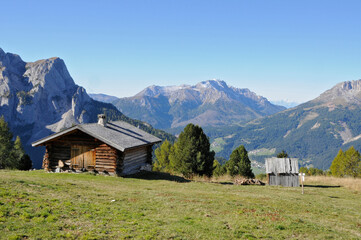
(191, 153)
(239, 163)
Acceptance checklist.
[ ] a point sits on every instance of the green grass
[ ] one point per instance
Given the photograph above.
(39, 205)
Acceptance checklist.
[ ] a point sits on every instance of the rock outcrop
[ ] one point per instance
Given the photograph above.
(38, 98)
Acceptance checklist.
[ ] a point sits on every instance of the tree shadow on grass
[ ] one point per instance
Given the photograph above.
(225, 183)
(321, 186)
(158, 176)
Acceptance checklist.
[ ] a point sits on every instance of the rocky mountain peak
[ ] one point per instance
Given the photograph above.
(40, 95)
(2, 53)
(348, 92)
(10, 62)
(51, 74)
(354, 85)
(213, 84)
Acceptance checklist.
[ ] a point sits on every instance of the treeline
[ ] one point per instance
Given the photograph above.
(345, 164)
(12, 154)
(191, 155)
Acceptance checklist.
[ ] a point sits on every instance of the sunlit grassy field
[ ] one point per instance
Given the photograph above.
(39, 205)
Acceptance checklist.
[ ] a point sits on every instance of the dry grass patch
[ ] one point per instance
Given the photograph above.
(353, 184)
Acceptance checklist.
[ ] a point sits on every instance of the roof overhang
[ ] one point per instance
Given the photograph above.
(71, 130)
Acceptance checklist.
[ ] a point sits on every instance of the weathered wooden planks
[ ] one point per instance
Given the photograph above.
(106, 158)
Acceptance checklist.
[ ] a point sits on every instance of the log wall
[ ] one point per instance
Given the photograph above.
(107, 158)
(134, 159)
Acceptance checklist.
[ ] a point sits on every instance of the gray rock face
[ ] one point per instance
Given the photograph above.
(343, 93)
(38, 98)
(208, 103)
(39, 93)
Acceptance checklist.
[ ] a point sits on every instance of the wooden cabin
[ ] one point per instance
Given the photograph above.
(282, 171)
(116, 148)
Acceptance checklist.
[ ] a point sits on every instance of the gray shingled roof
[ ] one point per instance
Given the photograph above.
(281, 165)
(118, 134)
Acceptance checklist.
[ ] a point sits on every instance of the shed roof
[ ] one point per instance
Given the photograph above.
(118, 134)
(281, 165)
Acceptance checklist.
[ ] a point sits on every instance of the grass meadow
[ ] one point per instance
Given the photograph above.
(39, 205)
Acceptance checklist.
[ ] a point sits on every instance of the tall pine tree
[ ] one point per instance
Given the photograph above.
(191, 153)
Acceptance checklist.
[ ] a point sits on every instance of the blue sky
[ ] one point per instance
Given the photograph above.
(291, 50)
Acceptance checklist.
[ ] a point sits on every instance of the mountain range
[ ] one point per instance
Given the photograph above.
(39, 98)
(208, 103)
(313, 131)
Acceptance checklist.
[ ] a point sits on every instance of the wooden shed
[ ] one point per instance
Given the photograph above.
(112, 147)
(282, 171)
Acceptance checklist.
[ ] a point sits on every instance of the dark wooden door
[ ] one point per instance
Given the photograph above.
(82, 157)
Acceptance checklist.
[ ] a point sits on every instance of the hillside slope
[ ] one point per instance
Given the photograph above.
(313, 131)
(39, 98)
(208, 103)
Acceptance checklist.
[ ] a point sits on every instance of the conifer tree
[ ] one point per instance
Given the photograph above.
(218, 169)
(6, 145)
(191, 153)
(162, 157)
(239, 163)
(12, 154)
(337, 164)
(347, 163)
(25, 162)
(17, 152)
(282, 154)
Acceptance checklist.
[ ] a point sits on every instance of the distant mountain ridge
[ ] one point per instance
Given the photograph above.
(39, 98)
(208, 103)
(102, 97)
(313, 131)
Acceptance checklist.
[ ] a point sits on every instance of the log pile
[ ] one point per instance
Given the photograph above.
(245, 181)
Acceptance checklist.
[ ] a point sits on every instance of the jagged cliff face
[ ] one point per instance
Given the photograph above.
(39, 98)
(40, 94)
(208, 103)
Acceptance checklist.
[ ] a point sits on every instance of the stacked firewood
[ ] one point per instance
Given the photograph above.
(245, 181)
